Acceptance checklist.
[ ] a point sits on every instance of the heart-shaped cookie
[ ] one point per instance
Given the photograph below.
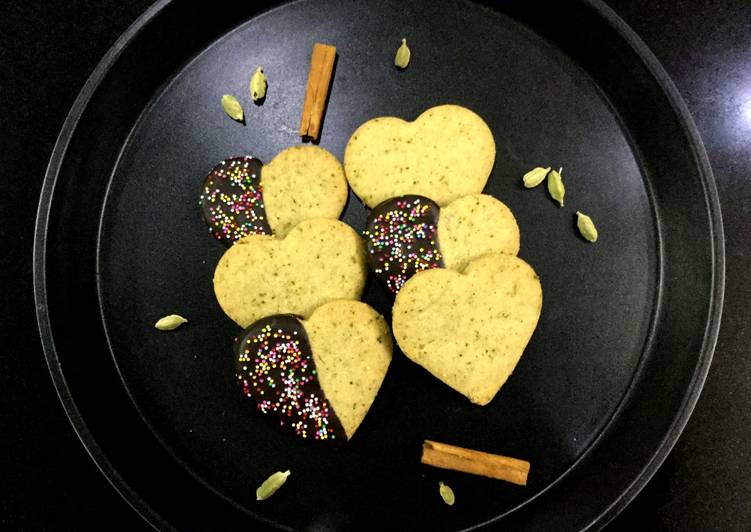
(448, 152)
(318, 376)
(469, 329)
(318, 261)
(411, 233)
(241, 196)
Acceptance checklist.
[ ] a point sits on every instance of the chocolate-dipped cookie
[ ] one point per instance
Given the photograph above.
(232, 200)
(408, 234)
(401, 238)
(317, 376)
(242, 196)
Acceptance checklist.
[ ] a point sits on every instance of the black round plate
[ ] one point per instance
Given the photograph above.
(628, 324)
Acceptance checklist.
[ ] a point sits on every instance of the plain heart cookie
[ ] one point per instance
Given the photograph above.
(469, 329)
(447, 153)
(317, 262)
(317, 376)
(412, 233)
(242, 196)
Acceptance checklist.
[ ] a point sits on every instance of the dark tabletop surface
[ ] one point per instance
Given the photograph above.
(48, 49)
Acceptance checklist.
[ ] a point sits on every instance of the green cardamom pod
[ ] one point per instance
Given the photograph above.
(168, 323)
(586, 227)
(555, 186)
(258, 85)
(402, 55)
(232, 107)
(447, 494)
(270, 485)
(535, 176)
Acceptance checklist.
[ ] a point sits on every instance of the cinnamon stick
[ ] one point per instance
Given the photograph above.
(475, 462)
(317, 90)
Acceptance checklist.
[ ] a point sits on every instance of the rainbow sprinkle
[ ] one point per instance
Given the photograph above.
(401, 237)
(276, 369)
(232, 200)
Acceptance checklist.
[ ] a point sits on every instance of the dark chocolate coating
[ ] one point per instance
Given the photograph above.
(401, 238)
(232, 200)
(276, 369)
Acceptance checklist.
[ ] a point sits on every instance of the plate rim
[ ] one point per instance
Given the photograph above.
(693, 141)
(39, 262)
(717, 237)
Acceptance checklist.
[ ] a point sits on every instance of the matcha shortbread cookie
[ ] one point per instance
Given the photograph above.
(446, 153)
(411, 233)
(469, 329)
(320, 375)
(242, 196)
(317, 262)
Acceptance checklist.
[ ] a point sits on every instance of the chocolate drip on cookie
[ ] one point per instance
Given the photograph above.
(276, 369)
(401, 237)
(232, 200)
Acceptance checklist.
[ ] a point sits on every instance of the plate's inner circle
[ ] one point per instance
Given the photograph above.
(157, 257)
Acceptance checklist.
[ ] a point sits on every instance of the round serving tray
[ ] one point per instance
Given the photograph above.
(628, 324)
